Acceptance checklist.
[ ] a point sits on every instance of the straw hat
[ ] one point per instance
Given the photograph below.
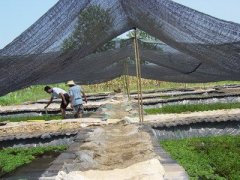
(71, 83)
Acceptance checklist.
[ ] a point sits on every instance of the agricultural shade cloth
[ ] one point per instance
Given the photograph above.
(73, 41)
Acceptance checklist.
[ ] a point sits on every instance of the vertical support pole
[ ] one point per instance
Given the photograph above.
(126, 77)
(139, 81)
(137, 73)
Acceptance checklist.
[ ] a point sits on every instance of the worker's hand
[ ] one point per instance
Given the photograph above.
(71, 106)
(65, 102)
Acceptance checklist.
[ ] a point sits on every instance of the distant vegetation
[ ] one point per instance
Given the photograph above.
(191, 108)
(35, 93)
(32, 93)
(88, 28)
(207, 158)
(12, 158)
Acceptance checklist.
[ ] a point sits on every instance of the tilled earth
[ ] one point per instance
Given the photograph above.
(122, 151)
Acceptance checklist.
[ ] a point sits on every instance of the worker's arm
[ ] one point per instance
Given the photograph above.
(49, 102)
(63, 98)
(84, 95)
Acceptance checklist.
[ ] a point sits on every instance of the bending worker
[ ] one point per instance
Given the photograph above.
(76, 93)
(58, 93)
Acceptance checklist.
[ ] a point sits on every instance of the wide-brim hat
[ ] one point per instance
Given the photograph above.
(71, 83)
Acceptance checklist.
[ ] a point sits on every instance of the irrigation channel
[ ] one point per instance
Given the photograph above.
(109, 141)
(34, 170)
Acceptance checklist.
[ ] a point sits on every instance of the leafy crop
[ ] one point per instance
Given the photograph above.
(12, 158)
(26, 118)
(191, 108)
(208, 157)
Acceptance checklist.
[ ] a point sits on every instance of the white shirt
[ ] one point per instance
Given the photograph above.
(57, 91)
(75, 93)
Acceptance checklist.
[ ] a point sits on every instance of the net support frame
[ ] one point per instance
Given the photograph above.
(139, 78)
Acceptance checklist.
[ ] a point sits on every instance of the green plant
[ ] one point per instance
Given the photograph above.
(87, 28)
(192, 108)
(12, 158)
(151, 42)
(208, 157)
(32, 93)
(26, 118)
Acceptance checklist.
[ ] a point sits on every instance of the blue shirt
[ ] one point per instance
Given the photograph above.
(75, 93)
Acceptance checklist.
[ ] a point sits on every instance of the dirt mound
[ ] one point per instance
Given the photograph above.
(112, 147)
(121, 150)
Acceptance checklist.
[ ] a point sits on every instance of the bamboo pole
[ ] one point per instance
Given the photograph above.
(126, 78)
(140, 81)
(138, 72)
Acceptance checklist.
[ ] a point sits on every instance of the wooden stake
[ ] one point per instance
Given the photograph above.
(139, 81)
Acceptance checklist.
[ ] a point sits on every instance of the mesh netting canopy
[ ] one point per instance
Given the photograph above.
(74, 40)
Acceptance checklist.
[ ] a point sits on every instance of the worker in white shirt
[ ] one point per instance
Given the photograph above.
(58, 93)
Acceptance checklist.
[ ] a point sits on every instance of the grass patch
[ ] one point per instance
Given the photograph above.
(208, 157)
(34, 93)
(27, 118)
(192, 108)
(12, 158)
